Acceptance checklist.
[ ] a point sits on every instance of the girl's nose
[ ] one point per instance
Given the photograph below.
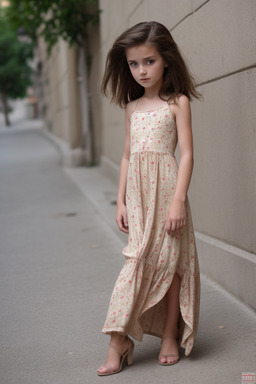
(142, 70)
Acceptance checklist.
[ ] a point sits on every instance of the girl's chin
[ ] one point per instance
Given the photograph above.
(145, 84)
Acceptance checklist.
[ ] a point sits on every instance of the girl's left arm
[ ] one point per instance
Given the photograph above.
(176, 215)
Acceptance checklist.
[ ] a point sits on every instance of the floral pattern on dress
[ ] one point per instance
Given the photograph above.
(138, 302)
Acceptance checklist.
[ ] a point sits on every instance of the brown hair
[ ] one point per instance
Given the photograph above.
(123, 88)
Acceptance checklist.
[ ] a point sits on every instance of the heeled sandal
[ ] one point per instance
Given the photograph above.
(127, 355)
(169, 355)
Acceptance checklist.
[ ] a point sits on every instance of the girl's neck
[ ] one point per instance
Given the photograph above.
(153, 97)
(152, 93)
(146, 103)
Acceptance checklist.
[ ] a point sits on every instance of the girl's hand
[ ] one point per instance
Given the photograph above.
(121, 218)
(176, 216)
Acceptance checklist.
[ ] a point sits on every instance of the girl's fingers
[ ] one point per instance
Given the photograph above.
(174, 226)
(125, 220)
(121, 224)
(125, 227)
(168, 227)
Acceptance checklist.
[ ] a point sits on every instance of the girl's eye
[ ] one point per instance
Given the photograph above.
(150, 61)
(133, 64)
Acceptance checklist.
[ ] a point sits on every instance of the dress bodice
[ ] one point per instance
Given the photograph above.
(153, 130)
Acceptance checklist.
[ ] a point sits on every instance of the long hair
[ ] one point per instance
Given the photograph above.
(118, 82)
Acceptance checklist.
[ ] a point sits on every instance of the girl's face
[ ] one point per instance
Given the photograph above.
(146, 65)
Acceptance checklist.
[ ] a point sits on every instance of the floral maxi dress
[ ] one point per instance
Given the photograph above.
(138, 302)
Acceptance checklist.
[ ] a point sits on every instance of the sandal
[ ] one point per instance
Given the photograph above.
(127, 355)
(169, 355)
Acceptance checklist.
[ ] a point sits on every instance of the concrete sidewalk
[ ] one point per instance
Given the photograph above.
(60, 256)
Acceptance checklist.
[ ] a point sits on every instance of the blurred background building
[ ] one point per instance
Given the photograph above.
(69, 96)
(4, 3)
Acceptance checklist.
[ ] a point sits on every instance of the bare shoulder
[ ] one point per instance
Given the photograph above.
(182, 102)
(131, 104)
(180, 105)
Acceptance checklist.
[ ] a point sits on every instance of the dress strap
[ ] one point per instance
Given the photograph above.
(135, 104)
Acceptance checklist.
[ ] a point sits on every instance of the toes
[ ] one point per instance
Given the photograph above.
(102, 369)
(163, 360)
(172, 360)
(168, 359)
(169, 351)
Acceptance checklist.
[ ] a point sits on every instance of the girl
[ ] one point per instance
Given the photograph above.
(158, 289)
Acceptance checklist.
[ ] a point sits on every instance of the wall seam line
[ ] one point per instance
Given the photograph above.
(135, 9)
(181, 21)
(188, 15)
(226, 75)
(200, 6)
(227, 247)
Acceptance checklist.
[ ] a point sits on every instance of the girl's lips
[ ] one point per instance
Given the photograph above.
(145, 79)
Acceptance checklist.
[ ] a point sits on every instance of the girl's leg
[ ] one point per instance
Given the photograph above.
(121, 343)
(171, 332)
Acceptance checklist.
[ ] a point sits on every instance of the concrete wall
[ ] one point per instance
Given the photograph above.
(72, 102)
(218, 39)
(62, 107)
(94, 88)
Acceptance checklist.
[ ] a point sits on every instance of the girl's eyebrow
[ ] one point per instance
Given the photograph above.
(146, 58)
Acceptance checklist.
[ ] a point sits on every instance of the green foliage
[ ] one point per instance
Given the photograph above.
(54, 18)
(14, 69)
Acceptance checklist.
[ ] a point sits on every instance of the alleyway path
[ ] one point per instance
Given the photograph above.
(58, 262)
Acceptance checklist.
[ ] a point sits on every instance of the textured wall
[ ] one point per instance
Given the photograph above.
(61, 94)
(218, 40)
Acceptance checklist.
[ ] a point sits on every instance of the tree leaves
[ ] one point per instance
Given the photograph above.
(14, 69)
(54, 18)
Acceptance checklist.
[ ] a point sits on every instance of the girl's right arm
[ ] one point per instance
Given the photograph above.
(121, 212)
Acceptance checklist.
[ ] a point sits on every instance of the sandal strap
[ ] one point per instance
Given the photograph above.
(171, 354)
(109, 367)
(117, 349)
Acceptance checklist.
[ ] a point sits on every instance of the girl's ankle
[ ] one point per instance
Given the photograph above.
(117, 338)
(171, 335)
